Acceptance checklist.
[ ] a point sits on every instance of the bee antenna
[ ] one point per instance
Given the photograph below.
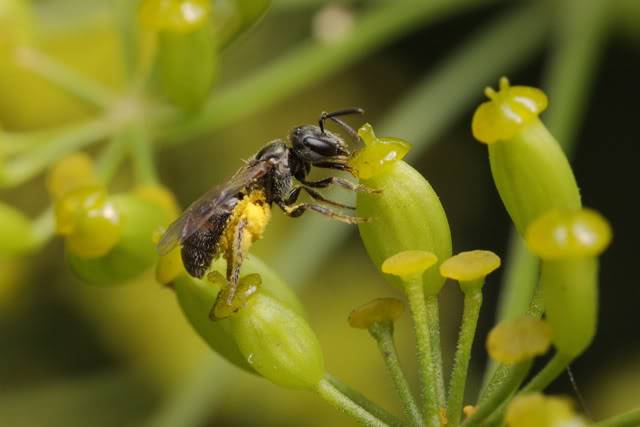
(333, 116)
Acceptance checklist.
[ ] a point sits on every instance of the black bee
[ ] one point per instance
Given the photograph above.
(229, 217)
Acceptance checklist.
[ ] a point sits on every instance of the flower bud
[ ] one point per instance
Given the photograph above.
(187, 57)
(407, 215)
(196, 297)
(236, 17)
(71, 173)
(517, 340)
(529, 168)
(132, 252)
(537, 410)
(380, 310)
(378, 154)
(16, 23)
(16, 231)
(568, 243)
(470, 268)
(278, 343)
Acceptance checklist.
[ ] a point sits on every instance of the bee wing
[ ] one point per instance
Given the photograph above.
(215, 201)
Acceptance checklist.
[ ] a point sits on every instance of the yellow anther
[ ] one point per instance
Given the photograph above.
(409, 263)
(514, 341)
(568, 234)
(72, 172)
(507, 111)
(378, 153)
(377, 311)
(537, 410)
(174, 15)
(470, 266)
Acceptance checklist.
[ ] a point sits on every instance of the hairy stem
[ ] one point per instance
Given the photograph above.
(383, 334)
(471, 311)
(341, 402)
(428, 386)
(363, 401)
(433, 326)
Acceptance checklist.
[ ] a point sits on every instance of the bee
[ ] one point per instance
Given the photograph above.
(226, 220)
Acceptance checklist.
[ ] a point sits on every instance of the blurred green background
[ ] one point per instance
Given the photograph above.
(76, 355)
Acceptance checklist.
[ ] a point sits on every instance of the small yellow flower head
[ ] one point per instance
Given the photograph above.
(89, 221)
(408, 264)
(568, 234)
(378, 153)
(537, 410)
(72, 172)
(507, 111)
(470, 266)
(517, 340)
(377, 311)
(174, 15)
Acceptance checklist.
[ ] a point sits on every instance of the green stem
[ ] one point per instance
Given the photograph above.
(68, 79)
(628, 419)
(312, 61)
(341, 402)
(471, 311)
(383, 334)
(550, 372)
(141, 150)
(497, 397)
(428, 387)
(111, 157)
(67, 141)
(363, 401)
(433, 326)
(42, 227)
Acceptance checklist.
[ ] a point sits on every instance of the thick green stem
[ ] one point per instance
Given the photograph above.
(433, 326)
(141, 150)
(471, 311)
(364, 402)
(68, 79)
(341, 402)
(383, 334)
(428, 385)
(628, 419)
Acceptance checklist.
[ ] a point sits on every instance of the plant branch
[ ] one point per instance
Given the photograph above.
(383, 334)
(68, 79)
(341, 402)
(628, 419)
(471, 311)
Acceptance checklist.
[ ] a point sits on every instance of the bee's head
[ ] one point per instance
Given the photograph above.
(315, 145)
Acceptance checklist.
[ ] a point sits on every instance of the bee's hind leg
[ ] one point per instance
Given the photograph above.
(225, 304)
(297, 210)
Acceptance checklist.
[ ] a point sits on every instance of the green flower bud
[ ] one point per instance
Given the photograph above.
(187, 56)
(16, 23)
(232, 18)
(196, 297)
(278, 343)
(568, 243)
(529, 168)
(71, 173)
(16, 231)
(132, 253)
(406, 216)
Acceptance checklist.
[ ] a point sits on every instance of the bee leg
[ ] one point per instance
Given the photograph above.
(317, 196)
(225, 304)
(323, 183)
(297, 210)
(341, 166)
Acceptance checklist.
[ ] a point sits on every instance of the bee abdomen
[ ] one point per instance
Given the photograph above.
(199, 249)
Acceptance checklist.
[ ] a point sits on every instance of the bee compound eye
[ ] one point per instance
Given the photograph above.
(321, 146)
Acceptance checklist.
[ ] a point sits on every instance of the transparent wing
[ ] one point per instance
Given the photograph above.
(217, 200)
